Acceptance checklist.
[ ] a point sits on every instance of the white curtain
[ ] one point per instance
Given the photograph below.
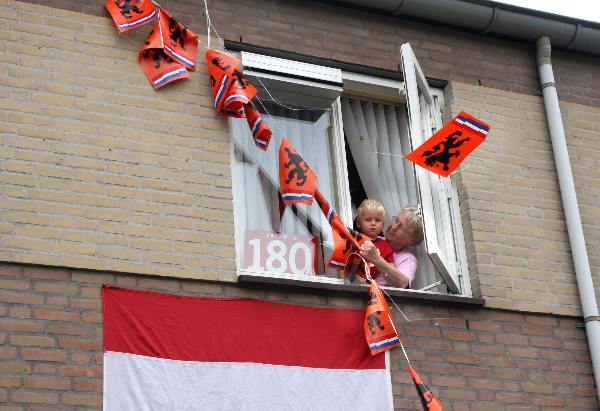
(377, 134)
(257, 176)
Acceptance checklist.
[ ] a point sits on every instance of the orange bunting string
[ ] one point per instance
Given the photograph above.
(297, 181)
(157, 65)
(130, 14)
(346, 241)
(448, 147)
(179, 42)
(233, 94)
(380, 331)
(169, 52)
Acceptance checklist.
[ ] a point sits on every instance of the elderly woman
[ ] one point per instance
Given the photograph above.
(405, 230)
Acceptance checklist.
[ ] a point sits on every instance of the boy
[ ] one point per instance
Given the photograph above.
(369, 221)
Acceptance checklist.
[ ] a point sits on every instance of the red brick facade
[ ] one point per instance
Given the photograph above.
(474, 359)
(179, 218)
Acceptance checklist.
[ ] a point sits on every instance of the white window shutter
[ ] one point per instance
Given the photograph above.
(420, 104)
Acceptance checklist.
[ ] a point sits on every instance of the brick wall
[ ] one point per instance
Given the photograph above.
(101, 172)
(474, 359)
(582, 129)
(357, 36)
(97, 169)
(519, 252)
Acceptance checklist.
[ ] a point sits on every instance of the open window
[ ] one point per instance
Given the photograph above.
(438, 204)
(340, 121)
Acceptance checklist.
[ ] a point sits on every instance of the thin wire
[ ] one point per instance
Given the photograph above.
(279, 103)
(208, 25)
(384, 154)
(395, 305)
(404, 351)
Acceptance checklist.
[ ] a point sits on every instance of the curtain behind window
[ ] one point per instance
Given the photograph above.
(377, 135)
(257, 176)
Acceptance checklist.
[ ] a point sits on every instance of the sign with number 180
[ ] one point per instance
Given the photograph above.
(280, 252)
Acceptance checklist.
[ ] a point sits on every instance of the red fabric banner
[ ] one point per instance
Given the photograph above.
(380, 331)
(447, 148)
(129, 14)
(297, 182)
(428, 400)
(233, 95)
(174, 352)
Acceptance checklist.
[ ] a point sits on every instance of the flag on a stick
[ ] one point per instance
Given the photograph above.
(428, 400)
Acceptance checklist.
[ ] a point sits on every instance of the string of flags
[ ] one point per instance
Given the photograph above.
(233, 95)
(169, 54)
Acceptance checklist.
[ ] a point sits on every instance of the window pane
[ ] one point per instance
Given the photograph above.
(298, 240)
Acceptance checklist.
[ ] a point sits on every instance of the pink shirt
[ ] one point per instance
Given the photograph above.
(406, 263)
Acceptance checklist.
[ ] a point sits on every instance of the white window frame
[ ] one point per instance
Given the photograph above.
(420, 126)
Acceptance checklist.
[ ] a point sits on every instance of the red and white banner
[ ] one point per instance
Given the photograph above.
(175, 352)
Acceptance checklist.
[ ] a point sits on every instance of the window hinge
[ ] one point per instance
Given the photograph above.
(402, 90)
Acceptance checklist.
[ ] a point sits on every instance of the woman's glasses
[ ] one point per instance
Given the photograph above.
(397, 223)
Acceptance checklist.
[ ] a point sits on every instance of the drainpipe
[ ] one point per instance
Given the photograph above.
(570, 206)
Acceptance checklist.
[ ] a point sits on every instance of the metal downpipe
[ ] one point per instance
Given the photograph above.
(570, 206)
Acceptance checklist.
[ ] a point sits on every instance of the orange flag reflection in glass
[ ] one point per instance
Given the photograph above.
(169, 52)
(297, 181)
(380, 331)
(447, 148)
(346, 241)
(233, 94)
(129, 14)
(428, 400)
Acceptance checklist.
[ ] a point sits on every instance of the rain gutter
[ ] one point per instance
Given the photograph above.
(490, 17)
(569, 198)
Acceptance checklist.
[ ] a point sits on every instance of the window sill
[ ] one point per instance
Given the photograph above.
(330, 285)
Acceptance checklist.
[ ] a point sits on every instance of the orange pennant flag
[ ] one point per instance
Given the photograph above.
(297, 181)
(261, 133)
(428, 400)
(129, 14)
(231, 90)
(345, 240)
(447, 148)
(233, 94)
(380, 331)
(157, 65)
(179, 42)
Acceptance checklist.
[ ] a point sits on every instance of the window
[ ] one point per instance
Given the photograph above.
(339, 121)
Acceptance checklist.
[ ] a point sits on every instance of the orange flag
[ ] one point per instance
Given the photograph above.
(428, 400)
(179, 42)
(129, 14)
(346, 241)
(380, 331)
(157, 65)
(297, 181)
(233, 94)
(447, 148)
